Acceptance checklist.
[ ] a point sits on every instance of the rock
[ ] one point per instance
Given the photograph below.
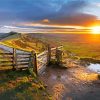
(9, 82)
(30, 80)
(33, 91)
(45, 86)
(42, 87)
(43, 73)
(35, 81)
(44, 94)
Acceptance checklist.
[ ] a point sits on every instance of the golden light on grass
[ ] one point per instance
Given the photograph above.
(95, 30)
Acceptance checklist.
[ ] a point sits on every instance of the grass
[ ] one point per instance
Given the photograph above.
(84, 48)
(24, 43)
(21, 85)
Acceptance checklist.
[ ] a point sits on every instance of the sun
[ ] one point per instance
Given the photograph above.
(95, 30)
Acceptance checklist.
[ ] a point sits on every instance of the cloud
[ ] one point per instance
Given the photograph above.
(45, 21)
(45, 14)
(73, 6)
(95, 4)
(78, 19)
(69, 13)
(72, 13)
(6, 29)
(33, 10)
(27, 10)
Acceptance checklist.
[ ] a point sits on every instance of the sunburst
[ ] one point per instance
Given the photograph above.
(95, 30)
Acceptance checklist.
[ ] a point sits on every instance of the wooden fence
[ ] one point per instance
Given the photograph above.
(19, 59)
(15, 59)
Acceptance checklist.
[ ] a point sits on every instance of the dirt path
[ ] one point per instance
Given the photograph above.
(71, 84)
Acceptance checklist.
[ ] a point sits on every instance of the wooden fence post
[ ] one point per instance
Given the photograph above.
(58, 56)
(34, 62)
(14, 58)
(30, 60)
(49, 55)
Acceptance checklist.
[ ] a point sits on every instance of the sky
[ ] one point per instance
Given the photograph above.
(49, 16)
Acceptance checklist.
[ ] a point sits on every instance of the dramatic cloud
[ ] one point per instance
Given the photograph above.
(27, 10)
(47, 14)
(79, 19)
(71, 13)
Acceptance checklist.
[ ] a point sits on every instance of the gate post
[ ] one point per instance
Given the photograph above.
(49, 55)
(58, 56)
(34, 62)
(14, 59)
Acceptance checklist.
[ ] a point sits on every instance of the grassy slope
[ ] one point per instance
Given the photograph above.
(21, 85)
(24, 42)
(83, 50)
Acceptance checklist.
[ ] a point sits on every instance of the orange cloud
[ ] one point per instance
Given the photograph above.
(79, 19)
(45, 21)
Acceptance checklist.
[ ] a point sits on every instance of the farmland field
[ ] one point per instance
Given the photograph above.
(83, 45)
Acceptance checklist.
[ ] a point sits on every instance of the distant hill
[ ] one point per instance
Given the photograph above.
(5, 35)
(23, 42)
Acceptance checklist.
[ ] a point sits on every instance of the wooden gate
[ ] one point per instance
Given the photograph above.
(21, 59)
(42, 61)
(14, 58)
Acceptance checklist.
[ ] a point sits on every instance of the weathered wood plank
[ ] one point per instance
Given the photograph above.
(6, 65)
(41, 69)
(22, 64)
(57, 47)
(22, 60)
(21, 57)
(23, 54)
(6, 58)
(42, 58)
(22, 67)
(6, 53)
(42, 54)
(6, 61)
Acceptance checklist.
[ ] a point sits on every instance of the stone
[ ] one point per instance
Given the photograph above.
(45, 86)
(35, 81)
(44, 94)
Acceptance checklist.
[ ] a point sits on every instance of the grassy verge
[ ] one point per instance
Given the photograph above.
(21, 85)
